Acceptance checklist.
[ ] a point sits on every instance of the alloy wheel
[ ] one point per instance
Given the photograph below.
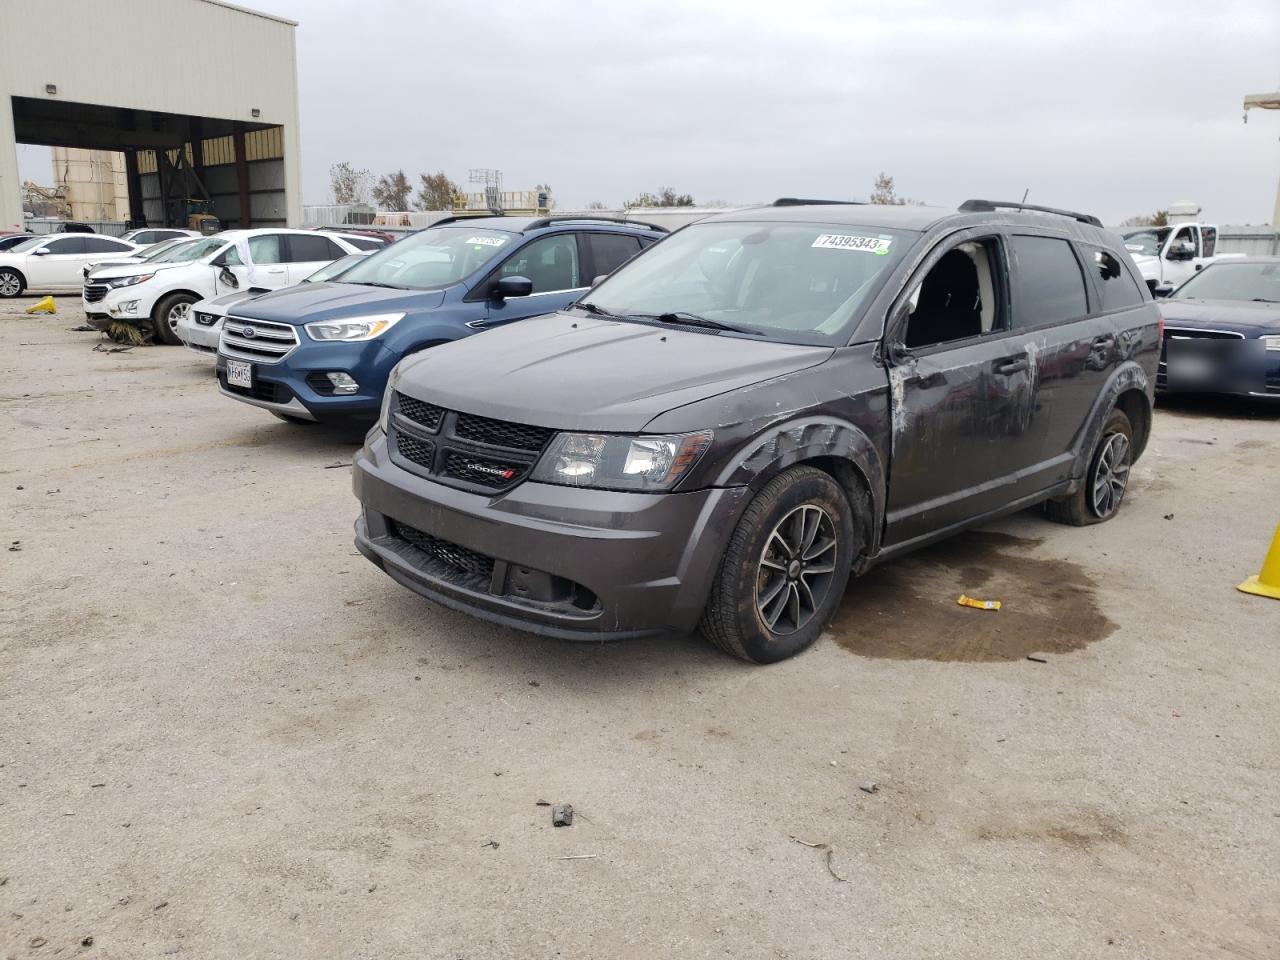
(796, 568)
(9, 285)
(1111, 475)
(176, 313)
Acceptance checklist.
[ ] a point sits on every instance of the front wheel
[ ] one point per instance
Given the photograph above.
(167, 313)
(1106, 479)
(11, 283)
(785, 568)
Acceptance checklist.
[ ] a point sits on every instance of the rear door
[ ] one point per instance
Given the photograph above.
(608, 251)
(553, 262)
(307, 253)
(961, 391)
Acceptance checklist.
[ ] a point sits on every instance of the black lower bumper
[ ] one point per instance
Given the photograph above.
(588, 565)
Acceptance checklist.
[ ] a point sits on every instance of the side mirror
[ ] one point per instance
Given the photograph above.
(512, 287)
(229, 278)
(897, 354)
(596, 281)
(1163, 289)
(42, 252)
(1180, 251)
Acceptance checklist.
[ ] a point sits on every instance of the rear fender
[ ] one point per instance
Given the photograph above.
(1128, 376)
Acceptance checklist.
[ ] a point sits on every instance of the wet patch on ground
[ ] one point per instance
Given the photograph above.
(907, 609)
(1077, 831)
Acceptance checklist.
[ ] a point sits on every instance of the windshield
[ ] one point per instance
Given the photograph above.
(1146, 242)
(331, 271)
(189, 250)
(431, 259)
(26, 245)
(1225, 280)
(800, 283)
(160, 249)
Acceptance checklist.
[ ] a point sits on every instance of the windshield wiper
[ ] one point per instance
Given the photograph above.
(693, 320)
(375, 283)
(1264, 300)
(592, 309)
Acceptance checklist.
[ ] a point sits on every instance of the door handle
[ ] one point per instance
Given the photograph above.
(1011, 366)
(276, 270)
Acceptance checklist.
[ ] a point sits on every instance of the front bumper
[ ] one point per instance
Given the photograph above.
(577, 564)
(127, 303)
(198, 337)
(297, 382)
(1266, 379)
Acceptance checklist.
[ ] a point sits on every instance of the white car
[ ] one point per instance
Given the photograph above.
(55, 264)
(145, 236)
(146, 255)
(160, 294)
(200, 328)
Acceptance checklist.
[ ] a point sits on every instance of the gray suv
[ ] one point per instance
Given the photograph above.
(762, 403)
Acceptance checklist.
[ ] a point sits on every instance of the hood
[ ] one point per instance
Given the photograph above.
(108, 271)
(227, 301)
(1235, 316)
(309, 302)
(1147, 265)
(589, 373)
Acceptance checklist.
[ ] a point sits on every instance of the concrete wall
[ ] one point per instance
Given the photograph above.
(94, 181)
(145, 55)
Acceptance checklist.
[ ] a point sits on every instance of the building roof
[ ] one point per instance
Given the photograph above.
(252, 13)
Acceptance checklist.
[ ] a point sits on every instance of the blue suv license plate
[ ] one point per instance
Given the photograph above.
(240, 374)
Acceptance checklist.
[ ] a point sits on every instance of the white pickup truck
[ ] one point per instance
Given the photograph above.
(1167, 256)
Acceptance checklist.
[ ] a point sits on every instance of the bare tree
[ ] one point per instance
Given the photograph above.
(665, 197)
(597, 205)
(436, 192)
(392, 191)
(349, 185)
(884, 192)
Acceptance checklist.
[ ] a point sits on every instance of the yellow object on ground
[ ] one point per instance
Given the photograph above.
(978, 604)
(1267, 582)
(43, 306)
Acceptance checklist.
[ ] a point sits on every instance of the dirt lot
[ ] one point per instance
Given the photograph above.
(225, 734)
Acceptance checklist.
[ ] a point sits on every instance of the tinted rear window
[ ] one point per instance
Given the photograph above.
(1048, 286)
(1115, 283)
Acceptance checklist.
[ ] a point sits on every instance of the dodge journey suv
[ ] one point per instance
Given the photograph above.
(761, 404)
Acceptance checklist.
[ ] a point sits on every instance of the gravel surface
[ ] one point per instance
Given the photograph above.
(226, 734)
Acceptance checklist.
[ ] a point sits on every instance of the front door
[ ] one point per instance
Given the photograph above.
(961, 391)
(1178, 271)
(58, 266)
(554, 265)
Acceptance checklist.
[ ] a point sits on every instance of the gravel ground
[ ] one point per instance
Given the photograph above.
(225, 734)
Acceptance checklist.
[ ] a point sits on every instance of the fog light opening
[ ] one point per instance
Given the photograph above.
(343, 383)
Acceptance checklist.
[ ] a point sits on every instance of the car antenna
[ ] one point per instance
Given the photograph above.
(1025, 194)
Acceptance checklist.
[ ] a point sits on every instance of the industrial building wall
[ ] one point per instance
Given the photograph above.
(147, 55)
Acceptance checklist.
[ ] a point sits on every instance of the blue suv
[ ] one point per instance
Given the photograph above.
(323, 351)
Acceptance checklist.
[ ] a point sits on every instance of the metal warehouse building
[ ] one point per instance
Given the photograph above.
(201, 96)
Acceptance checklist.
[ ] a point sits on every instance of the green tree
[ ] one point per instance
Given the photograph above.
(349, 185)
(392, 191)
(665, 197)
(436, 191)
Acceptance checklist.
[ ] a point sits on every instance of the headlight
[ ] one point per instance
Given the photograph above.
(1272, 341)
(620, 463)
(392, 379)
(128, 281)
(357, 328)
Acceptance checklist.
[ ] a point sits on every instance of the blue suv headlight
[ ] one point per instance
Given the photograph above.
(354, 328)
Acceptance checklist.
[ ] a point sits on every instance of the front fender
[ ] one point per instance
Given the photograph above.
(785, 444)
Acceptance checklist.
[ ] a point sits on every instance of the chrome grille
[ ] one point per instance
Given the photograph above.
(262, 341)
(93, 292)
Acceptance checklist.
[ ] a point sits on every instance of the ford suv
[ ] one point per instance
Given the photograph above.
(323, 351)
(765, 402)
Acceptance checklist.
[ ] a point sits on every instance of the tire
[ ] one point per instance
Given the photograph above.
(11, 283)
(165, 316)
(759, 569)
(1105, 481)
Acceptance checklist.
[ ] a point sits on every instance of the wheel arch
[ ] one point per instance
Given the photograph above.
(836, 447)
(1128, 390)
(20, 275)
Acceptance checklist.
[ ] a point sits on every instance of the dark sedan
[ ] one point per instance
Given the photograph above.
(1222, 331)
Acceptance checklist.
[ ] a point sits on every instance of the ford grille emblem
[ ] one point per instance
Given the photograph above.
(248, 332)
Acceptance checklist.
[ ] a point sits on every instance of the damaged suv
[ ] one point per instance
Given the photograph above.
(761, 404)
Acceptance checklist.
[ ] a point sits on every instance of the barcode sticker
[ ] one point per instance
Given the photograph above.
(844, 241)
(488, 241)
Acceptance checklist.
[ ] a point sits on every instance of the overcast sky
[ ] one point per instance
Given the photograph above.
(1115, 108)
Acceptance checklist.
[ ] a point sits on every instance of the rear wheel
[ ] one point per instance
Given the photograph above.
(1105, 481)
(11, 283)
(167, 313)
(785, 568)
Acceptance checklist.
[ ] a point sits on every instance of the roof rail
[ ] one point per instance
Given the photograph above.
(465, 216)
(547, 221)
(802, 202)
(987, 206)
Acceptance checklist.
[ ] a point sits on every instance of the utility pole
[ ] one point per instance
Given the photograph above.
(1265, 101)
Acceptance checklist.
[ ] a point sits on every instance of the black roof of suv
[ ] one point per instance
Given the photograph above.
(759, 405)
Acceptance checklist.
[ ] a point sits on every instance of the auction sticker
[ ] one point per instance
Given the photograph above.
(488, 241)
(845, 241)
